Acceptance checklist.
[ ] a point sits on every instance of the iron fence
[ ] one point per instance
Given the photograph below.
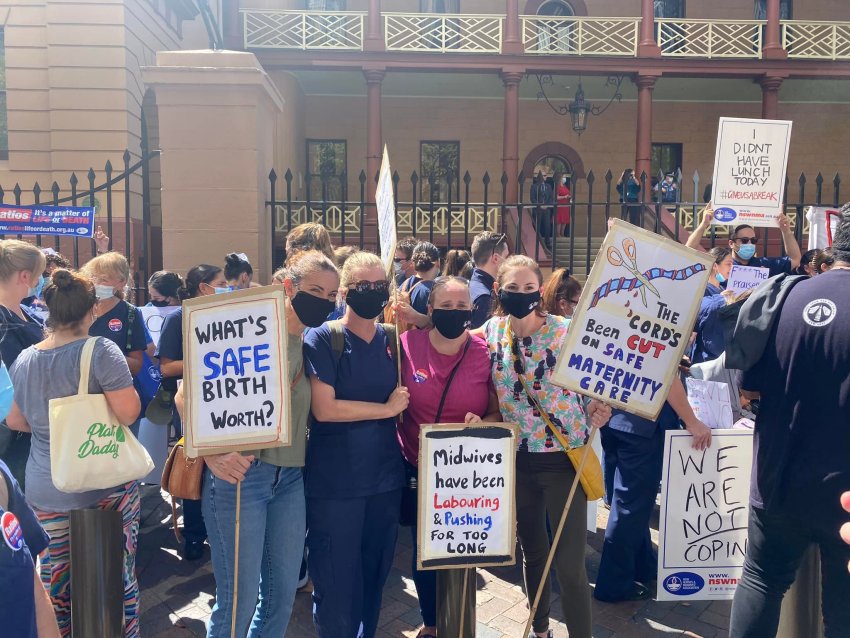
(79, 250)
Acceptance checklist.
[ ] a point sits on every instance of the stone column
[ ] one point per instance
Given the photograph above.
(770, 97)
(648, 47)
(510, 133)
(217, 116)
(374, 136)
(374, 40)
(643, 146)
(512, 43)
(772, 49)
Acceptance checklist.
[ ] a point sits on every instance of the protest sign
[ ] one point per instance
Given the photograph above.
(744, 278)
(822, 224)
(749, 171)
(711, 403)
(385, 203)
(235, 372)
(467, 514)
(633, 320)
(154, 318)
(47, 220)
(704, 514)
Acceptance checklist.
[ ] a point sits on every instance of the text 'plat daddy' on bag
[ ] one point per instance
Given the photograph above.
(89, 448)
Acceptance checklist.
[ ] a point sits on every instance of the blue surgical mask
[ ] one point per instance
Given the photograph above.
(104, 292)
(7, 393)
(220, 291)
(720, 278)
(36, 292)
(747, 251)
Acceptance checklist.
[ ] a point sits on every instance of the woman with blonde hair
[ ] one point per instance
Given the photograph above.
(354, 466)
(21, 268)
(50, 370)
(309, 236)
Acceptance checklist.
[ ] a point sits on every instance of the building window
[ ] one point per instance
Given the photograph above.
(326, 169)
(326, 5)
(439, 164)
(785, 10)
(4, 120)
(439, 6)
(669, 8)
(666, 158)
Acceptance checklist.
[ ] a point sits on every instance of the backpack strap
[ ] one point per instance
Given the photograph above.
(392, 337)
(337, 338)
(131, 319)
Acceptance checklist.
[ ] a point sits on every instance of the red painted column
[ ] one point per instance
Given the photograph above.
(647, 46)
(512, 43)
(643, 146)
(374, 136)
(770, 97)
(374, 40)
(772, 49)
(510, 134)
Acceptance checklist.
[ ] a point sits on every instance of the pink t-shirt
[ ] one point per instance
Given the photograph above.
(425, 371)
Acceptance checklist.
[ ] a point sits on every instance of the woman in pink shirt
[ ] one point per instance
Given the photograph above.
(447, 372)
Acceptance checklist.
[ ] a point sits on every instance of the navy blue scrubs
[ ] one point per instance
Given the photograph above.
(354, 477)
(21, 539)
(634, 448)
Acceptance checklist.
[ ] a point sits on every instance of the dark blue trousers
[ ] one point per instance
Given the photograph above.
(627, 554)
(351, 543)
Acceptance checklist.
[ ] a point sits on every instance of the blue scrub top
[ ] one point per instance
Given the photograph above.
(419, 294)
(633, 424)
(114, 326)
(360, 458)
(710, 341)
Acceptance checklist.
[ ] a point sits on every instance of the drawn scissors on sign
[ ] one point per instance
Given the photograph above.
(629, 262)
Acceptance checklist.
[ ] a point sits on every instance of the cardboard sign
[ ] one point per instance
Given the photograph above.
(823, 222)
(744, 278)
(704, 515)
(154, 318)
(711, 403)
(467, 514)
(633, 320)
(385, 203)
(749, 171)
(235, 372)
(47, 220)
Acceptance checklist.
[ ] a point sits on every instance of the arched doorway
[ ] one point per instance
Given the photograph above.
(557, 8)
(553, 157)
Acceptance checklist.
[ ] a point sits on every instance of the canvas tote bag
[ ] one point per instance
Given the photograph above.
(89, 448)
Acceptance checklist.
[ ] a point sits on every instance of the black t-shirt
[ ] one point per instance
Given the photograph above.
(114, 324)
(16, 335)
(802, 436)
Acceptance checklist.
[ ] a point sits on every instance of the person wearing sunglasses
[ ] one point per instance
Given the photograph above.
(743, 242)
(354, 470)
(561, 293)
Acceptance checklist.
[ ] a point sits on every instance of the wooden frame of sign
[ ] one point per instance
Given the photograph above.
(633, 320)
(473, 522)
(235, 372)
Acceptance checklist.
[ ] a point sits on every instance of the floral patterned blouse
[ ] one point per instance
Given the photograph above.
(537, 359)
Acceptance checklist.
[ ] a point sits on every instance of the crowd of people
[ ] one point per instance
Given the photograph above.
(480, 337)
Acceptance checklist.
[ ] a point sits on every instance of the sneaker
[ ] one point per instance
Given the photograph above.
(534, 635)
(193, 550)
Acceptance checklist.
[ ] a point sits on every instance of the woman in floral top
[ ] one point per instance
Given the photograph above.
(524, 342)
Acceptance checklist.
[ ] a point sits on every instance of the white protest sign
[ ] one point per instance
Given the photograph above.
(744, 278)
(823, 222)
(710, 402)
(749, 171)
(467, 512)
(633, 321)
(154, 318)
(235, 373)
(704, 514)
(385, 203)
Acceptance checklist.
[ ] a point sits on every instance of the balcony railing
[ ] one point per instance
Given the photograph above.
(545, 35)
(709, 38)
(305, 30)
(816, 40)
(441, 33)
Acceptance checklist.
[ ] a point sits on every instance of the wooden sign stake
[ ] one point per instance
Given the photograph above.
(236, 563)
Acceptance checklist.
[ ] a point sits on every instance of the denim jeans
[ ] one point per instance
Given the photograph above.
(775, 548)
(272, 527)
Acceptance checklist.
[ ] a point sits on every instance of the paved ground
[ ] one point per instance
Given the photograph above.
(177, 596)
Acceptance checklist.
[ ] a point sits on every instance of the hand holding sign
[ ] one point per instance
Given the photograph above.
(101, 240)
(598, 413)
(230, 467)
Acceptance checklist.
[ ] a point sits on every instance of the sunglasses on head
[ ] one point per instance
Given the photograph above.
(746, 240)
(363, 286)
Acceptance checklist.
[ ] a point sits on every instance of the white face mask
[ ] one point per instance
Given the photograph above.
(104, 292)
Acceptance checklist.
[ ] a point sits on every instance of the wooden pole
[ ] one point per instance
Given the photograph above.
(236, 563)
(463, 606)
(557, 537)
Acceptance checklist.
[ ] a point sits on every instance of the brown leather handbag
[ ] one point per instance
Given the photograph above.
(182, 478)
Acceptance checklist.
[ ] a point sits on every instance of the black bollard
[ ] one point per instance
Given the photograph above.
(456, 603)
(97, 574)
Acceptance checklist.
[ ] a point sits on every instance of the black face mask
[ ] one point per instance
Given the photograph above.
(519, 304)
(312, 311)
(159, 303)
(369, 303)
(451, 323)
